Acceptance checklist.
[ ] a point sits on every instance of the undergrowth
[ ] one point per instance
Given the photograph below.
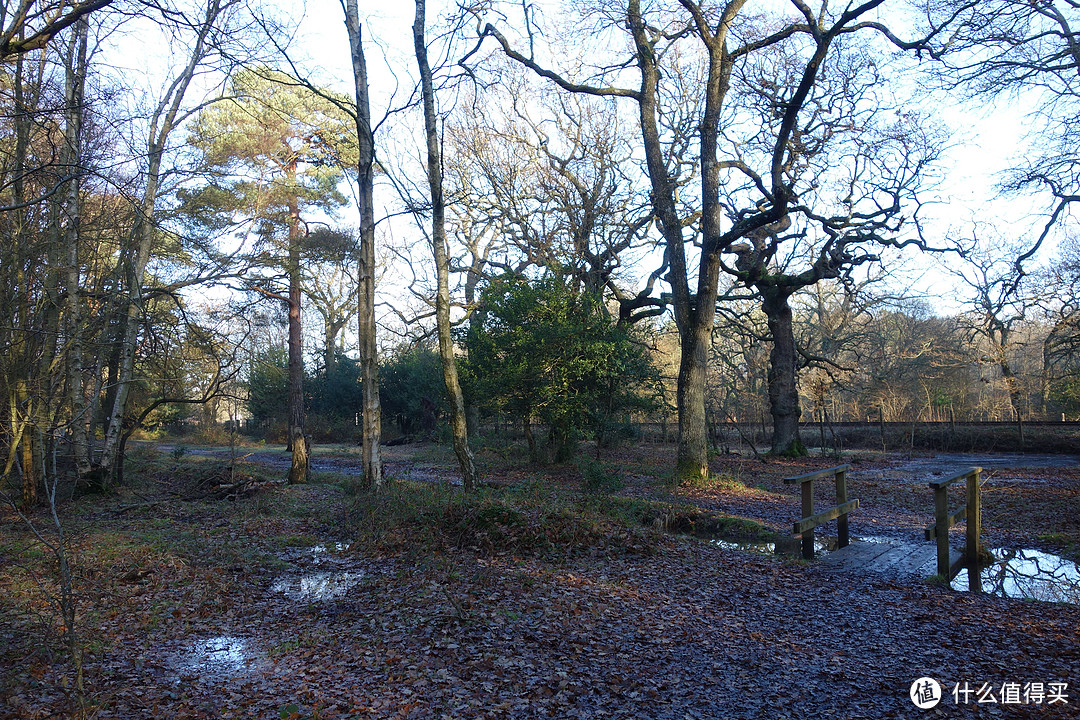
(521, 520)
(531, 519)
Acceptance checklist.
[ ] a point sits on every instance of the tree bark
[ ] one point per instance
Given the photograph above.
(71, 218)
(693, 450)
(369, 360)
(783, 368)
(458, 423)
(297, 442)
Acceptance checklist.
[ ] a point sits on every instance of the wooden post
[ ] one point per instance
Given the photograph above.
(841, 498)
(974, 530)
(821, 427)
(804, 528)
(808, 511)
(881, 421)
(941, 517)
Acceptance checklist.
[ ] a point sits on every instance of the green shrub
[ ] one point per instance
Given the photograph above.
(554, 355)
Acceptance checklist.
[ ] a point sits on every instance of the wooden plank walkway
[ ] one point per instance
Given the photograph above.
(886, 558)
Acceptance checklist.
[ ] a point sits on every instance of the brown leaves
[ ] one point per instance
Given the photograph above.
(693, 631)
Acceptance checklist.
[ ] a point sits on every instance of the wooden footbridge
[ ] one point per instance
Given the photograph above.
(889, 557)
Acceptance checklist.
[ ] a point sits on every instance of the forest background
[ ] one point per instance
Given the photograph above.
(185, 231)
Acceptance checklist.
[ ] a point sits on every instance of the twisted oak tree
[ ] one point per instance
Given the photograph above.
(697, 48)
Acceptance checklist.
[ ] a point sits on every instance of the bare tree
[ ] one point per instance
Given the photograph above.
(1000, 303)
(172, 109)
(32, 25)
(369, 359)
(330, 284)
(1030, 50)
(76, 62)
(1026, 51)
(437, 238)
(770, 200)
(1060, 308)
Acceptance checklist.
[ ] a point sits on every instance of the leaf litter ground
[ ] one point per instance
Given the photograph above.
(196, 609)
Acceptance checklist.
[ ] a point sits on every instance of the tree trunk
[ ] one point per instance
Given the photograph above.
(333, 329)
(29, 467)
(475, 324)
(1012, 384)
(369, 360)
(458, 423)
(19, 427)
(71, 217)
(692, 461)
(297, 444)
(23, 405)
(783, 368)
(526, 426)
(112, 370)
(1044, 375)
(693, 453)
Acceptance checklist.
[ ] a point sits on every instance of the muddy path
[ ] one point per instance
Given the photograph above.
(402, 461)
(336, 459)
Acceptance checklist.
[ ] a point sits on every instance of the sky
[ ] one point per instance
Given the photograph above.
(985, 141)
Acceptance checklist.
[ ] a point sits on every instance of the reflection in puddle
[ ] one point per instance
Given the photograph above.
(784, 546)
(223, 655)
(317, 586)
(316, 554)
(329, 548)
(1028, 574)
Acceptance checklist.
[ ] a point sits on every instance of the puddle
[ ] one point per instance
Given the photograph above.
(952, 463)
(319, 586)
(786, 546)
(1029, 575)
(318, 551)
(327, 553)
(823, 545)
(217, 656)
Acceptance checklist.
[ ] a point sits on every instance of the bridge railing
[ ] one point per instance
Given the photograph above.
(970, 512)
(804, 528)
